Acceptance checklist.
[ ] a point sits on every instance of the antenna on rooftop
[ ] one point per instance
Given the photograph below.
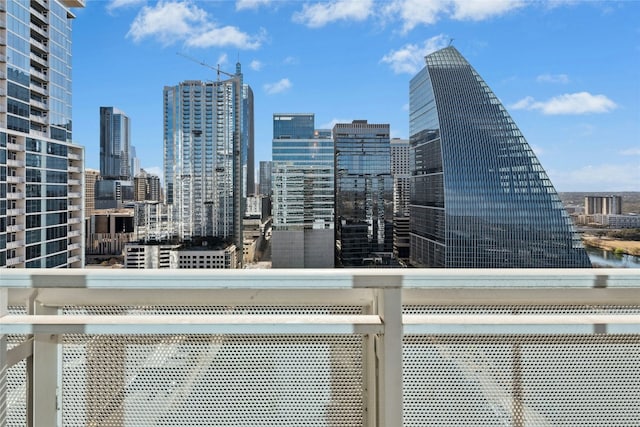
(450, 42)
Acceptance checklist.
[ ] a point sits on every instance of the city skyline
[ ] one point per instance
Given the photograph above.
(571, 85)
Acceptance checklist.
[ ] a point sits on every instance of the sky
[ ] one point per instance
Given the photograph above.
(568, 72)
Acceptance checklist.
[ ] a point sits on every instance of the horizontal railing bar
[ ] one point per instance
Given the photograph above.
(190, 324)
(321, 278)
(519, 319)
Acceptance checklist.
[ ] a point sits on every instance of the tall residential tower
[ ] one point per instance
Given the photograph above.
(204, 126)
(41, 169)
(479, 196)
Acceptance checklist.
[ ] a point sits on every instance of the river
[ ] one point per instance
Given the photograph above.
(604, 258)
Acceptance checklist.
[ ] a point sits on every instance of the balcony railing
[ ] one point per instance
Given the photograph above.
(320, 347)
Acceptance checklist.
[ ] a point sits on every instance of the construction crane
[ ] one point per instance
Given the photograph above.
(217, 68)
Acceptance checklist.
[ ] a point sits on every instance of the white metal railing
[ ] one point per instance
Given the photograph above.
(379, 347)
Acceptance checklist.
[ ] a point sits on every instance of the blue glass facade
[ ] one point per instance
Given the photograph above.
(479, 196)
(364, 191)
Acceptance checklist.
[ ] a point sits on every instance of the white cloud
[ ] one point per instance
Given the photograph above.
(117, 4)
(479, 10)
(410, 58)
(553, 78)
(256, 65)
(419, 12)
(173, 21)
(318, 15)
(277, 87)
(569, 103)
(631, 152)
(251, 4)
(222, 59)
(224, 36)
(291, 60)
(605, 177)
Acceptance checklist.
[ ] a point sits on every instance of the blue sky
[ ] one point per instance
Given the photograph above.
(567, 71)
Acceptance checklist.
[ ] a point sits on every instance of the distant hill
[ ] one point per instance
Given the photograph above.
(630, 199)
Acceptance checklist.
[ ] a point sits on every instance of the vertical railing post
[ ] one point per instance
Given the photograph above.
(388, 348)
(44, 374)
(4, 303)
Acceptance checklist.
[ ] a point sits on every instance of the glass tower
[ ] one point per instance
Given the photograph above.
(364, 192)
(479, 196)
(303, 192)
(41, 170)
(203, 158)
(115, 144)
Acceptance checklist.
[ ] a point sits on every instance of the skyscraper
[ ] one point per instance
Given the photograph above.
(265, 177)
(41, 169)
(115, 145)
(480, 198)
(248, 161)
(203, 169)
(401, 173)
(364, 192)
(303, 192)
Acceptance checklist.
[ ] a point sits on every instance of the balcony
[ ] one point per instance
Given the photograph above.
(41, 90)
(73, 233)
(15, 195)
(38, 119)
(385, 348)
(15, 228)
(74, 195)
(15, 163)
(39, 30)
(15, 244)
(15, 179)
(15, 212)
(74, 221)
(15, 147)
(74, 169)
(14, 260)
(74, 156)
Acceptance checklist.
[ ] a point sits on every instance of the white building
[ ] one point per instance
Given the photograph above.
(41, 169)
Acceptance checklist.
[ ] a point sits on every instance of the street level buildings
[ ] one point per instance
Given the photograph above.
(302, 180)
(41, 169)
(363, 193)
(479, 196)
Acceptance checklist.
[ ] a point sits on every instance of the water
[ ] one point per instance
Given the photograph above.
(603, 258)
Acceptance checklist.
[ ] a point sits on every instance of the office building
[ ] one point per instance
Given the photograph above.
(480, 198)
(363, 193)
(146, 187)
(203, 170)
(41, 169)
(302, 193)
(115, 145)
(248, 137)
(265, 178)
(91, 176)
(401, 173)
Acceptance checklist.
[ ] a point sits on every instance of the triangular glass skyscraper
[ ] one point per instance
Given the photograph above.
(480, 198)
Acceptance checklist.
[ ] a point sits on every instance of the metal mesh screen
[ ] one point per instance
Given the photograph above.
(16, 382)
(521, 380)
(207, 380)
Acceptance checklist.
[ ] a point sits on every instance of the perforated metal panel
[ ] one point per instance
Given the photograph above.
(16, 382)
(523, 380)
(200, 380)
